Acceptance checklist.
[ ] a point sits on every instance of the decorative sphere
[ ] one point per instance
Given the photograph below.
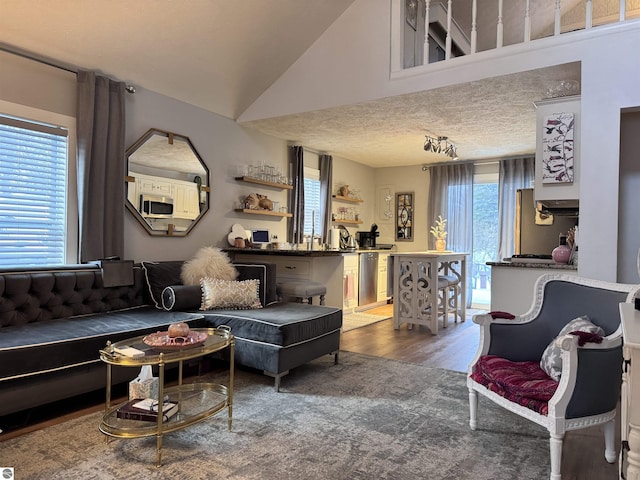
(561, 254)
(179, 329)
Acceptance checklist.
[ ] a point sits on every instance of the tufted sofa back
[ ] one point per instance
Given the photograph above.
(36, 295)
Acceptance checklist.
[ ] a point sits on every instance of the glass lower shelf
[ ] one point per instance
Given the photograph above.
(197, 401)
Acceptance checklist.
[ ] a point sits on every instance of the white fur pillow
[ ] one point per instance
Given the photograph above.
(208, 262)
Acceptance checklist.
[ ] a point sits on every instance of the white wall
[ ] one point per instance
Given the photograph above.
(405, 179)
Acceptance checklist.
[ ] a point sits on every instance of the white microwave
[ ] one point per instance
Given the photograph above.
(156, 206)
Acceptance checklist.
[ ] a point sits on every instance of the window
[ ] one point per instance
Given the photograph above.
(312, 203)
(485, 231)
(35, 181)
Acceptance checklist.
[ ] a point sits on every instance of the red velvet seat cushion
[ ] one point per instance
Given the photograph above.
(524, 383)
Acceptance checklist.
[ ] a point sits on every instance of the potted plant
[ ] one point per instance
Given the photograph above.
(439, 231)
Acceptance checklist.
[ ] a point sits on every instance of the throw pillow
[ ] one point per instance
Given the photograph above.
(229, 294)
(208, 262)
(182, 297)
(159, 275)
(551, 361)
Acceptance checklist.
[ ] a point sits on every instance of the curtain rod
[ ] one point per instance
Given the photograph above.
(426, 166)
(19, 52)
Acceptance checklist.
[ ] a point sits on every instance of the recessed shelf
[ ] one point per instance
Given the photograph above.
(348, 199)
(263, 212)
(264, 183)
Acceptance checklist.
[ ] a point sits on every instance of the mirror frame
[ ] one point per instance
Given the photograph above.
(130, 178)
(404, 203)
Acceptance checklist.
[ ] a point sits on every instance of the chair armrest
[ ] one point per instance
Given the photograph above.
(508, 338)
(591, 377)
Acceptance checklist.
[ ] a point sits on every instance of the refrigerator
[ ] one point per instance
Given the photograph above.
(536, 234)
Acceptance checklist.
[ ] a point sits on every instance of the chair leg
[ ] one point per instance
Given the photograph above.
(321, 299)
(555, 449)
(473, 409)
(609, 441)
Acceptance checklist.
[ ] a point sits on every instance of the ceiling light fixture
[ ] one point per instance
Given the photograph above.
(440, 145)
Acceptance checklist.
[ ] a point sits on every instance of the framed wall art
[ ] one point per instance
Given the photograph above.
(404, 217)
(557, 148)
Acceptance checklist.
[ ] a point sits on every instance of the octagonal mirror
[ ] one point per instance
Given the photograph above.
(167, 183)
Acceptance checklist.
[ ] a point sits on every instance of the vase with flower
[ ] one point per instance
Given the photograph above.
(439, 231)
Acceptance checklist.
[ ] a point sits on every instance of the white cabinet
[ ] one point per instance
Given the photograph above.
(153, 185)
(186, 202)
(550, 143)
(629, 412)
(350, 281)
(382, 277)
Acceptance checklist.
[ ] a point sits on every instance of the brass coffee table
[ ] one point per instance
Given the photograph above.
(197, 401)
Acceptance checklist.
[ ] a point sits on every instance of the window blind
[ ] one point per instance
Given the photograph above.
(312, 204)
(33, 185)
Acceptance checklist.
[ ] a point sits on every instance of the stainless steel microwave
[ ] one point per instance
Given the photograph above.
(156, 206)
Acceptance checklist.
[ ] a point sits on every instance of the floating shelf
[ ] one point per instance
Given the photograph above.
(263, 212)
(257, 181)
(348, 199)
(348, 222)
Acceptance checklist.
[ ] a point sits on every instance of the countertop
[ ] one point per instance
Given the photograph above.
(288, 253)
(299, 253)
(549, 266)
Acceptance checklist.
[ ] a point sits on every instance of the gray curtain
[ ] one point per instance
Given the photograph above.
(326, 182)
(100, 162)
(451, 195)
(296, 200)
(514, 174)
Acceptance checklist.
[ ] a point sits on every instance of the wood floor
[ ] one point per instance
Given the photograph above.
(452, 348)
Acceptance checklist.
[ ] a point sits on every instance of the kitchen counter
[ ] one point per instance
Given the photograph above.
(287, 253)
(548, 266)
(512, 283)
(322, 266)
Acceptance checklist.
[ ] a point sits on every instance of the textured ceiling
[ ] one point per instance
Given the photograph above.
(492, 118)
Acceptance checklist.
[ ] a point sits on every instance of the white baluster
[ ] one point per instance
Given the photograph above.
(425, 55)
(527, 23)
(500, 29)
(556, 30)
(447, 55)
(623, 10)
(474, 26)
(588, 20)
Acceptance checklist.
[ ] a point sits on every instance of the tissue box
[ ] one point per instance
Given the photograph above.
(144, 389)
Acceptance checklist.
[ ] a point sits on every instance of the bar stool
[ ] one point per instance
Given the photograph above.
(302, 291)
(449, 290)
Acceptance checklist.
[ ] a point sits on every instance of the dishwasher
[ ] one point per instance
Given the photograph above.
(368, 278)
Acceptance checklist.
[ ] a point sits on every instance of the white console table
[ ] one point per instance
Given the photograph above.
(630, 416)
(415, 286)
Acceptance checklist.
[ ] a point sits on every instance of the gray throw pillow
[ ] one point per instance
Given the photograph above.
(551, 361)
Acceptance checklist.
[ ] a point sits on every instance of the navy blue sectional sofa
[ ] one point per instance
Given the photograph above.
(53, 321)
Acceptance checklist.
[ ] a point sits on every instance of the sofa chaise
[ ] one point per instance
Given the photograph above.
(53, 321)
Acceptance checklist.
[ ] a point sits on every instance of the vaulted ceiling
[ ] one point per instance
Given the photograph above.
(221, 55)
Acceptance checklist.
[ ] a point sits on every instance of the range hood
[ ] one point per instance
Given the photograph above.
(569, 208)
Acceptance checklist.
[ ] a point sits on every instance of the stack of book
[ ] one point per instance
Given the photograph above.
(146, 410)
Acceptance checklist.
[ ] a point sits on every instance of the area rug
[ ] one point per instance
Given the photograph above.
(358, 319)
(363, 419)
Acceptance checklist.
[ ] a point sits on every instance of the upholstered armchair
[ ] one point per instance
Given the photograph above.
(560, 364)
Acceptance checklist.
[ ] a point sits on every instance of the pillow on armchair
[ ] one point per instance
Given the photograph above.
(551, 361)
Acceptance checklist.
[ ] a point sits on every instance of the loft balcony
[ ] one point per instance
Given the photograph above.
(469, 29)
